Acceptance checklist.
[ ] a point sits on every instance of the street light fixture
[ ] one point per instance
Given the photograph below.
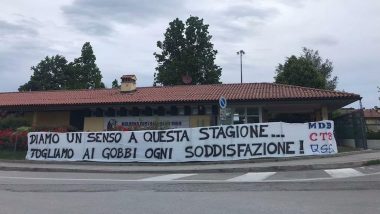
(241, 53)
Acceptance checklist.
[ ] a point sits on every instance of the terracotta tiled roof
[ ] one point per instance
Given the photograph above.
(172, 94)
(371, 113)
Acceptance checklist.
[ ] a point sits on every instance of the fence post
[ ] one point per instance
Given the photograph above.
(14, 137)
(363, 127)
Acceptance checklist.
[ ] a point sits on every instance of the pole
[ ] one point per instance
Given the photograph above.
(241, 53)
(363, 126)
(241, 68)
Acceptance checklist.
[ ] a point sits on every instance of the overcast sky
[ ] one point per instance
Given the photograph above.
(123, 34)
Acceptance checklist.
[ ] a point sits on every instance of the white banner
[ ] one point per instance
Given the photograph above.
(215, 143)
(147, 122)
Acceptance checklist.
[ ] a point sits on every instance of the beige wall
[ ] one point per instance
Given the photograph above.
(93, 124)
(373, 121)
(129, 86)
(199, 121)
(322, 114)
(51, 119)
(325, 113)
(29, 117)
(373, 124)
(318, 115)
(373, 144)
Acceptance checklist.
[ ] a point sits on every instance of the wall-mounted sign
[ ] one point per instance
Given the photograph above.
(215, 143)
(147, 122)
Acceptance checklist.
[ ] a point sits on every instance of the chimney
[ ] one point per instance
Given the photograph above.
(128, 83)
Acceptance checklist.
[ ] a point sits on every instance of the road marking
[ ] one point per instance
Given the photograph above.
(180, 181)
(252, 177)
(66, 179)
(343, 173)
(169, 177)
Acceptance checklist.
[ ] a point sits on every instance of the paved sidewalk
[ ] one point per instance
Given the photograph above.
(342, 160)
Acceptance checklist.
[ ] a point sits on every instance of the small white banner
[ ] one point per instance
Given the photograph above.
(215, 143)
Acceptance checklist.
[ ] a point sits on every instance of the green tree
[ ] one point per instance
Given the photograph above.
(84, 69)
(49, 74)
(308, 70)
(54, 73)
(115, 84)
(186, 51)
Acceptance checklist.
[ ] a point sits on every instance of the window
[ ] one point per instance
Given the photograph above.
(243, 115)
(122, 112)
(173, 110)
(201, 110)
(187, 110)
(161, 111)
(148, 111)
(110, 112)
(239, 116)
(98, 112)
(135, 111)
(253, 115)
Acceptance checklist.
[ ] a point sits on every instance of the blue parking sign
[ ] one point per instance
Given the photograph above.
(222, 102)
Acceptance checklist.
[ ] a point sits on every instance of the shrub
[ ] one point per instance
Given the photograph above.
(13, 122)
(372, 162)
(53, 129)
(120, 128)
(373, 135)
(9, 138)
(6, 138)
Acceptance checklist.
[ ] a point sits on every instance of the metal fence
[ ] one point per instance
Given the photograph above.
(351, 126)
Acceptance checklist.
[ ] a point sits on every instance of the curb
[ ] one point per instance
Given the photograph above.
(253, 160)
(250, 165)
(212, 170)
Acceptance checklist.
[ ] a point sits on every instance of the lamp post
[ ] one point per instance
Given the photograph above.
(241, 53)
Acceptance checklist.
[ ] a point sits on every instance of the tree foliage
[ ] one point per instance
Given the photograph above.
(85, 70)
(115, 84)
(49, 74)
(308, 70)
(55, 73)
(186, 51)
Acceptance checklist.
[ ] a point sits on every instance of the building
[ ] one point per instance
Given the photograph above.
(173, 106)
(372, 119)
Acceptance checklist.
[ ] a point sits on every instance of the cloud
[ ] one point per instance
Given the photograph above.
(8, 29)
(17, 59)
(252, 11)
(21, 47)
(238, 21)
(96, 17)
(124, 32)
(19, 42)
(293, 3)
(323, 41)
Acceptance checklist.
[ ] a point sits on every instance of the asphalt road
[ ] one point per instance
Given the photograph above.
(316, 191)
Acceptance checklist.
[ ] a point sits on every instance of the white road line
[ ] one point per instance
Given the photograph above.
(168, 177)
(252, 177)
(66, 179)
(177, 181)
(343, 173)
